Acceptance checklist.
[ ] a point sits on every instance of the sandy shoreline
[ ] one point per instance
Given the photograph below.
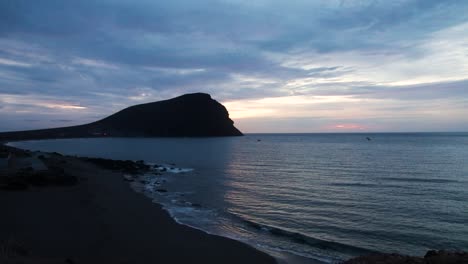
(84, 211)
(101, 220)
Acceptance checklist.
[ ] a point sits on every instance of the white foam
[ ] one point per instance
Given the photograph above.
(184, 212)
(128, 177)
(171, 169)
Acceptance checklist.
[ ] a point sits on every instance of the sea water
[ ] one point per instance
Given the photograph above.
(324, 197)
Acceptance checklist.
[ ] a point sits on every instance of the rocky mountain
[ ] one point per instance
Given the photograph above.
(189, 115)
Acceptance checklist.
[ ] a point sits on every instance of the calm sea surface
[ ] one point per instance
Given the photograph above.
(320, 196)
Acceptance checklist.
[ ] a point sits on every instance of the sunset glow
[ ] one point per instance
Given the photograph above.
(349, 127)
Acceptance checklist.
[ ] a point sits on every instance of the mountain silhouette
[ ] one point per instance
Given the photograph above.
(189, 115)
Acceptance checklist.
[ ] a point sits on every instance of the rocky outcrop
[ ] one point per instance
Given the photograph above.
(431, 257)
(190, 115)
(24, 178)
(125, 166)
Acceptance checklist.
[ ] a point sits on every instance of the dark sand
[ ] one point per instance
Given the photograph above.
(101, 220)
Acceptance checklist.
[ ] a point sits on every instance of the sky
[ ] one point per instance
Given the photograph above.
(278, 66)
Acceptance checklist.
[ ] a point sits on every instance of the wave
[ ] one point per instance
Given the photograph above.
(356, 184)
(310, 241)
(202, 218)
(428, 180)
(394, 179)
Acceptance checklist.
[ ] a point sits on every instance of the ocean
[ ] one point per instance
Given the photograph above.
(323, 197)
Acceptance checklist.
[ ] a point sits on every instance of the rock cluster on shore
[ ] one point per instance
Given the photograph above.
(431, 257)
(16, 179)
(54, 174)
(126, 166)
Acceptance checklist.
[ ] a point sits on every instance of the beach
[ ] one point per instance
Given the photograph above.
(109, 203)
(101, 220)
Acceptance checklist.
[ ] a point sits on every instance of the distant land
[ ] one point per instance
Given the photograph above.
(189, 115)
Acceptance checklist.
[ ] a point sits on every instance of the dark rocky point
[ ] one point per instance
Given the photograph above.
(190, 115)
(126, 166)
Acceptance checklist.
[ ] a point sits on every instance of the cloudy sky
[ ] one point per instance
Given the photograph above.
(278, 66)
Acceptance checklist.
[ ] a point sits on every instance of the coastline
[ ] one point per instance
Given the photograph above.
(92, 220)
(102, 220)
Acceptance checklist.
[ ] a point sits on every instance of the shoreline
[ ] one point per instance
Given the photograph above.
(85, 169)
(280, 256)
(101, 219)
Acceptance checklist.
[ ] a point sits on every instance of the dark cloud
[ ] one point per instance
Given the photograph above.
(212, 34)
(106, 55)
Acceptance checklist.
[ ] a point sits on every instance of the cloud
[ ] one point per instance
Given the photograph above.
(106, 55)
(61, 120)
(13, 63)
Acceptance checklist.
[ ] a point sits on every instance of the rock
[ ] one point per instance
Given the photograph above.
(431, 253)
(126, 166)
(144, 167)
(431, 257)
(385, 259)
(445, 257)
